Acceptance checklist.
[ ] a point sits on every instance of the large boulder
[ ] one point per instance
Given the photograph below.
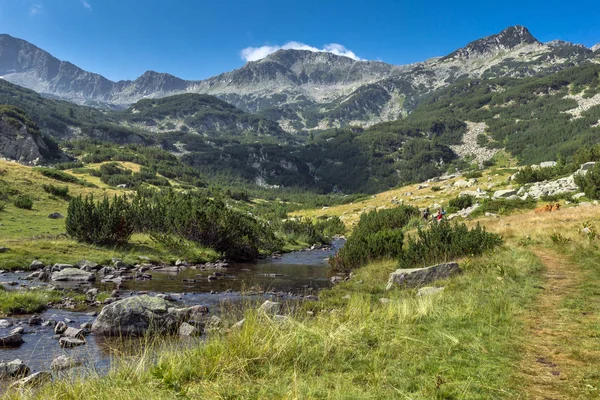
(416, 277)
(138, 315)
(13, 369)
(73, 275)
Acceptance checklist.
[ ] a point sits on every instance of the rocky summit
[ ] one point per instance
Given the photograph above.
(301, 89)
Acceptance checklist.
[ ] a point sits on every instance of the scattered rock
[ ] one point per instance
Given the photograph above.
(36, 379)
(186, 329)
(69, 342)
(4, 323)
(578, 196)
(498, 194)
(63, 362)
(14, 368)
(36, 264)
(421, 276)
(239, 324)
(20, 330)
(461, 184)
(88, 266)
(427, 291)
(55, 215)
(60, 327)
(73, 275)
(76, 333)
(271, 307)
(12, 340)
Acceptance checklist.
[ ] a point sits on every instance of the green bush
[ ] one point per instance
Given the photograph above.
(60, 191)
(590, 182)
(503, 206)
(57, 175)
(378, 234)
(472, 174)
(446, 241)
(460, 203)
(24, 202)
(102, 223)
(436, 188)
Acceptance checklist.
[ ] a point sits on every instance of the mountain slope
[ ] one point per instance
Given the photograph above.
(299, 89)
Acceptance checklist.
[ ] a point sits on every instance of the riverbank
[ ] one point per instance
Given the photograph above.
(359, 341)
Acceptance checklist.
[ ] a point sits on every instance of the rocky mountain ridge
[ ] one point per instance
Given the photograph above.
(299, 89)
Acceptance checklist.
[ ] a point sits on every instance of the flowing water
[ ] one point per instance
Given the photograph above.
(289, 278)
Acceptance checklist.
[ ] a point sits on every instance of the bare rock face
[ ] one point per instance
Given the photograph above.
(416, 277)
(18, 142)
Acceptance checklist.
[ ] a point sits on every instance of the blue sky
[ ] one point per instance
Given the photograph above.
(195, 39)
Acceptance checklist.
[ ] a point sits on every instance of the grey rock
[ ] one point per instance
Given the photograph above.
(36, 264)
(461, 184)
(86, 326)
(422, 276)
(14, 368)
(64, 362)
(186, 329)
(20, 330)
(5, 323)
(60, 327)
(578, 195)
(504, 193)
(56, 215)
(427, 291)
(88, 266)
(73, 274)
(68, 342)
(548, 164)
(74, 333)
(60, 267)
(12, 340)
(33, 380)
(271, 307)
(137, 315)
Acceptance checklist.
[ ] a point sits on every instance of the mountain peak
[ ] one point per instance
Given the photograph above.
(595, 47)
(508, 39)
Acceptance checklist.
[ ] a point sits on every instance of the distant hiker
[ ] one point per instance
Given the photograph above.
(426, 214)
(440, 215)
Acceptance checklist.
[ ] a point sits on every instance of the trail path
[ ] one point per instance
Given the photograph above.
(552, 366)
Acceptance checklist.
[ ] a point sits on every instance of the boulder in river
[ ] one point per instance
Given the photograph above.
(74, 333)
(63, 362)
(70, 342)
(72, 275)
(138, 315)
(416, 277)
(5, 323)
(35, 265)
(14, 368)
(12, 340)
(60, 327)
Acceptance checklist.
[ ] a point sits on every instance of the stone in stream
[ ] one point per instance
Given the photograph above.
(34, 320)
(88, 266)
(422, 276)
(20, 330)
(4, 323)
(33, 380)
(72, 275)
(60, 327)
(14, 368)
(12, 340)
(63, 362)
(137, 315)
(70, 342)
(74, 333)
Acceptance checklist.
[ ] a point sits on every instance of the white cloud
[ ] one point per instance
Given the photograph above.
(86, 5)
(35, 9)
(257, 53)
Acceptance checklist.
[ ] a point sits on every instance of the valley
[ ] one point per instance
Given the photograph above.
(308, 225)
